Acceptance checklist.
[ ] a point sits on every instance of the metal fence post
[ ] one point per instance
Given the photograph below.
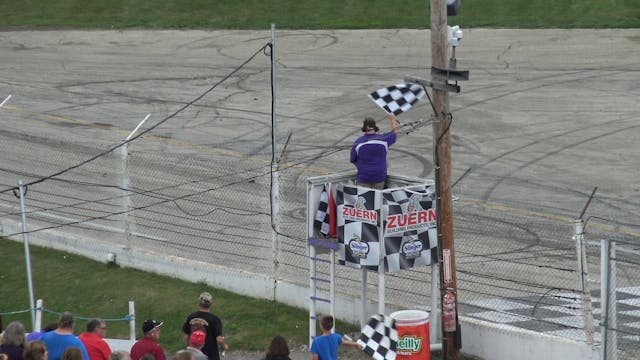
(127, 202)
(608, 301)
(27, 254)
(578, 236)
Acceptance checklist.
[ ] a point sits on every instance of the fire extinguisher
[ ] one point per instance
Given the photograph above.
(449, 311)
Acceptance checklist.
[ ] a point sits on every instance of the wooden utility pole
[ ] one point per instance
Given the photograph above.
(442, 146)
(445, 77)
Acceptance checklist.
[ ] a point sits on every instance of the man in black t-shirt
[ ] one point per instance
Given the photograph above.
(203, 318)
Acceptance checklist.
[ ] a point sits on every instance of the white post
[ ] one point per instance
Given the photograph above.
(363, 299)
(578, 236)
(311, 252)
(312, 293)
(608, 300)
(132, 320)
(435, 294)
(332, 285)
(381, 307)
(38, 326)
(612, 315)
(275, 184)
(127, 204)
(27, 255)
(381, 279)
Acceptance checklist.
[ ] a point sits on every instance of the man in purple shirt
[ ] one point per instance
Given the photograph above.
(369, 153)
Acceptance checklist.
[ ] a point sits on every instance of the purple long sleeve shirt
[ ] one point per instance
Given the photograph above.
(369, 154)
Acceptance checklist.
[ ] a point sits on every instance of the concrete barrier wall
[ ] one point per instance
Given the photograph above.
(504, 342)
(480, 338)
(120, 344)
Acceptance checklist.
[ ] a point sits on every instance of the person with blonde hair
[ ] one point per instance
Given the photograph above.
(13, 340)
(72, 353)
(120, 355)
(35, 350)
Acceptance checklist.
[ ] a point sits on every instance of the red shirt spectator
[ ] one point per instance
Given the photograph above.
(148, 344)
(92, 339)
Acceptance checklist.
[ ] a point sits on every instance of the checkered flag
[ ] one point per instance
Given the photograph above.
(321, 221)
(379, 338)
(398, 98)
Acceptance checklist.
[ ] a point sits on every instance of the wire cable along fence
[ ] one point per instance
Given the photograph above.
(198, 185)
(39, 310)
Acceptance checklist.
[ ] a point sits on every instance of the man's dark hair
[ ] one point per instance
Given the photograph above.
(66, 320)
(326, 322)
(278, 348)
(369, 124)
(148, 356)
(93, 324)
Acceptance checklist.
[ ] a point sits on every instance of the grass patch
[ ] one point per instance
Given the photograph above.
(68, 282)
(313, 14)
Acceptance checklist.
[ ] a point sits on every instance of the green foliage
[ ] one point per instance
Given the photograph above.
(68, 282)
(313, 14)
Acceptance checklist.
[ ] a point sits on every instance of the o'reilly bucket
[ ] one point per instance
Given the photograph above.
(413, 334)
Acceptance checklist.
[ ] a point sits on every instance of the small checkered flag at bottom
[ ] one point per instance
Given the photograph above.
(399, 98)
(379, 338)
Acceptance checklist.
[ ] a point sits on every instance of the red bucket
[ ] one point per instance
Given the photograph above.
(413, 334)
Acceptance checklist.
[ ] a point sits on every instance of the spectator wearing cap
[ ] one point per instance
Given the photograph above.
(196, 342)
(93, 340)
(148, 343)
(214, 341)
(58, 340)
(369, 153)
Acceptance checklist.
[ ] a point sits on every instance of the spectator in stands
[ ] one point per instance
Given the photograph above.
(13, 340)
(278, 349)
(120, 355)
(35, 350)
(72, 353)
(58, 340)
(37, 334)
(93, 340)
(214, 339)
(148, 344)
(196, 342)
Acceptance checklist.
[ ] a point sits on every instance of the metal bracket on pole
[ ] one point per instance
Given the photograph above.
(444, 86)
(449, 74)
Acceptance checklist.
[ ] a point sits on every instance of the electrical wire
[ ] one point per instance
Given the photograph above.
(181, 109)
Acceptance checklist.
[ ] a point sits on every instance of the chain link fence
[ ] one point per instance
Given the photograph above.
(200, 188)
